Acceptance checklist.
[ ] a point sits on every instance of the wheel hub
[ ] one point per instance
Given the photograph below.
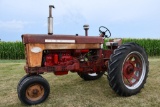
(35, 92)
(128, 70)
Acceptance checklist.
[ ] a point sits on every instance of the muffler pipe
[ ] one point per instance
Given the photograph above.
(50, 20)
(86, 27)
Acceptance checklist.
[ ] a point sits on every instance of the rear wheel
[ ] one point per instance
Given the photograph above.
(33, 90)
(91, 76)
(128, 69)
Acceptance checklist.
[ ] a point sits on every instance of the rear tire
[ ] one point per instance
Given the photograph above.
(128, 69)
(91, 76)
(33, 90)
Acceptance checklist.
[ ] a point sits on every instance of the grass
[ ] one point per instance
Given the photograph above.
(71, 91)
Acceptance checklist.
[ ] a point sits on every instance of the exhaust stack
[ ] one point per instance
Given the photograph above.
(50, 20)
(86, 27)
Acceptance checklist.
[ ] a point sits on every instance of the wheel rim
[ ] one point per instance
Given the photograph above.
(134, 70)
(93, 74)
(35, 92)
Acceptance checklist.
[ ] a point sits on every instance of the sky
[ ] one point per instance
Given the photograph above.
(124, 18)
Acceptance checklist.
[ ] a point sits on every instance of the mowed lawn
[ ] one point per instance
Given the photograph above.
(71, 91)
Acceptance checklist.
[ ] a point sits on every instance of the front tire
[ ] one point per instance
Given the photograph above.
(23, 78)
(128, 69)
(33, 90)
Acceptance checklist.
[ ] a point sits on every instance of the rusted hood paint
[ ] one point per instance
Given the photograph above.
(46, 39)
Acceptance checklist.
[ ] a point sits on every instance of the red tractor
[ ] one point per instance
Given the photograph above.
(126, 64)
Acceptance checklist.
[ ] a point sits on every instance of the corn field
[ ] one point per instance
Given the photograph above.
(15, 50)
(152, 46)
(11, 50)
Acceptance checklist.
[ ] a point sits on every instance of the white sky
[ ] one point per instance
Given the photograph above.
(124, 18)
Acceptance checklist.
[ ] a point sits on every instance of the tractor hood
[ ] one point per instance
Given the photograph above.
(61, 39)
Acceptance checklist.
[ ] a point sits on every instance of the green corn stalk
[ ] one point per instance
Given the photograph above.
(11, 50)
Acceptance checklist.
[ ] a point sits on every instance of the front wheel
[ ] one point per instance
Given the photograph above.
(128, 69)
(33, 90)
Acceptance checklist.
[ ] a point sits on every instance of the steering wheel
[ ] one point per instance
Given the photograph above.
(103, 31)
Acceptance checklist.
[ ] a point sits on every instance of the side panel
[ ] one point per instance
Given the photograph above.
(60, 46)
(72, 46)
(34, 54)
(88, 46)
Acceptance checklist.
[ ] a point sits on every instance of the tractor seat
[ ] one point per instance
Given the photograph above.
(111, 44)
(114, 42)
